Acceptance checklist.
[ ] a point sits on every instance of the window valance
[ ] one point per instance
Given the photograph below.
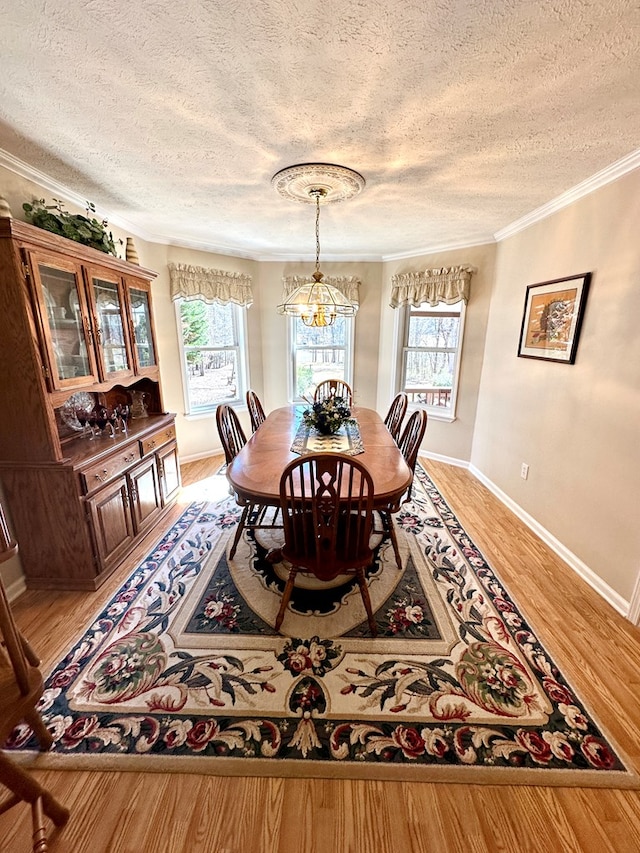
(448, 285)
(190, 282)
(348, 285)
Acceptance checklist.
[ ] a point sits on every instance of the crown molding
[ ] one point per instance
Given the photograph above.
(442, 247)
(606, 176)
(325, 258)
(600, 179)
(30, 173)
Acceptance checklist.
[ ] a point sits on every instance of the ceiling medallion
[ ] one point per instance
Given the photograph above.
(317, 303)
(338, 183)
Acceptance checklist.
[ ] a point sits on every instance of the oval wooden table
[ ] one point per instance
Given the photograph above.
(255, 472)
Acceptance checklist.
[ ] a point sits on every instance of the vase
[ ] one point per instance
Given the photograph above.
(328, 428)
(130, 252)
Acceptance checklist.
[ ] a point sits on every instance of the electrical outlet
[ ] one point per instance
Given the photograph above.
(524, 470)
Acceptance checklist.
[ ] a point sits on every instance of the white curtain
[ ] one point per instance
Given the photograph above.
(348, 285)
(189, 282)
(448, 285)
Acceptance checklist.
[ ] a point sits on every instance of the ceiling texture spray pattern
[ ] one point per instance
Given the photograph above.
(461, 115)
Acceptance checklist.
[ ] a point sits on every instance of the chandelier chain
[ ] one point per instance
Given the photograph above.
(317, 232)
(316, 303)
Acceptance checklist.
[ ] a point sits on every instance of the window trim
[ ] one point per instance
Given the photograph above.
(438, 413)
(292, 349)
(241, 347)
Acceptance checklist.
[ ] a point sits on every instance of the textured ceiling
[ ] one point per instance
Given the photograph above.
(462, 115)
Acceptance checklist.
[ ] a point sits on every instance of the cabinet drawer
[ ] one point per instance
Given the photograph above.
(110, 467)
(161, 436)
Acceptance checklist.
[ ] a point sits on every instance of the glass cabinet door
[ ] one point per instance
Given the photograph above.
(66, 336)
(109, 325)
(143, 337)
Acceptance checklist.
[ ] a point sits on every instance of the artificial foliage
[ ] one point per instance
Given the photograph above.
(83, 229)
(327, 416)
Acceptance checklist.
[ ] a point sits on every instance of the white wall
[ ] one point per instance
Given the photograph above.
(578, 426)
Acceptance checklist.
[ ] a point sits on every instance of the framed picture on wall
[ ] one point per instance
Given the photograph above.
(552, 317)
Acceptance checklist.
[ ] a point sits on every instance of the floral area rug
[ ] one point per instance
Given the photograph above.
(183, 670)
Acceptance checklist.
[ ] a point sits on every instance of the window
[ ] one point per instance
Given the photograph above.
(213, 353)
(318, 354)
(432, 342)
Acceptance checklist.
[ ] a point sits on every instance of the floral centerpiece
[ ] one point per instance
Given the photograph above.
(327, 416)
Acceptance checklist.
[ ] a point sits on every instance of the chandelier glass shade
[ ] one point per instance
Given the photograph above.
(316, 302)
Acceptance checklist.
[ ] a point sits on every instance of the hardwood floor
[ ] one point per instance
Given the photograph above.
(598, 650)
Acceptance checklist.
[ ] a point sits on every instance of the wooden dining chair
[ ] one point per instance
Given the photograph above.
(256, 412)
(395, 415)
(231, 434)
(21, 686)
(333, 388)
(233, 439)
(409, 445)
(327, 513)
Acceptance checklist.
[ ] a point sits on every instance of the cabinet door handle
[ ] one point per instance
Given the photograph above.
(152, 444)
(130, 457)
(103, 477)
(88, 332)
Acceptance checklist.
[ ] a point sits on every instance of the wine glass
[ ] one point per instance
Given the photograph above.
(101, 418)
(92, 420)
(83, 416)
(112, 419)
(125, 414)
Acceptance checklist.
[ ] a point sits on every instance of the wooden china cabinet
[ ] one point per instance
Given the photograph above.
(77, 334)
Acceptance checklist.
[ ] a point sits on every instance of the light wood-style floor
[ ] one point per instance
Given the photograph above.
(597, 649)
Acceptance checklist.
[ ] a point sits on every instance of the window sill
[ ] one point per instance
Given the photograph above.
(211, 413)
(435, 415)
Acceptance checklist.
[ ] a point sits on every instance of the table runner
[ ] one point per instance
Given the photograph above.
(347, 440)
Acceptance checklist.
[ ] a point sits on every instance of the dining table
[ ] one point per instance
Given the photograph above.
(254, 474)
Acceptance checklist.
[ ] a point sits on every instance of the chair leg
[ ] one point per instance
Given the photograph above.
(390, 530)
(26, 789)
(286, 596)
(40, 730)
(39, 836)
(364, 592)
(239, 529)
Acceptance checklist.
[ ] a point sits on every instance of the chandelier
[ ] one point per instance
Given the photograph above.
(316, 302)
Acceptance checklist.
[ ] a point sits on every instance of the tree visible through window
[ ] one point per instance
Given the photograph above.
(211, 344)
(432, 342)
(319, 354)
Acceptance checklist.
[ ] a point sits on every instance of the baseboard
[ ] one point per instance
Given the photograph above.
(196, 457)
(450, 460)
(595, 581)
(634, 605)
(15, 588)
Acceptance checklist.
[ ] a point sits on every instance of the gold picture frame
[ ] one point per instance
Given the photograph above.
(553, 312)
